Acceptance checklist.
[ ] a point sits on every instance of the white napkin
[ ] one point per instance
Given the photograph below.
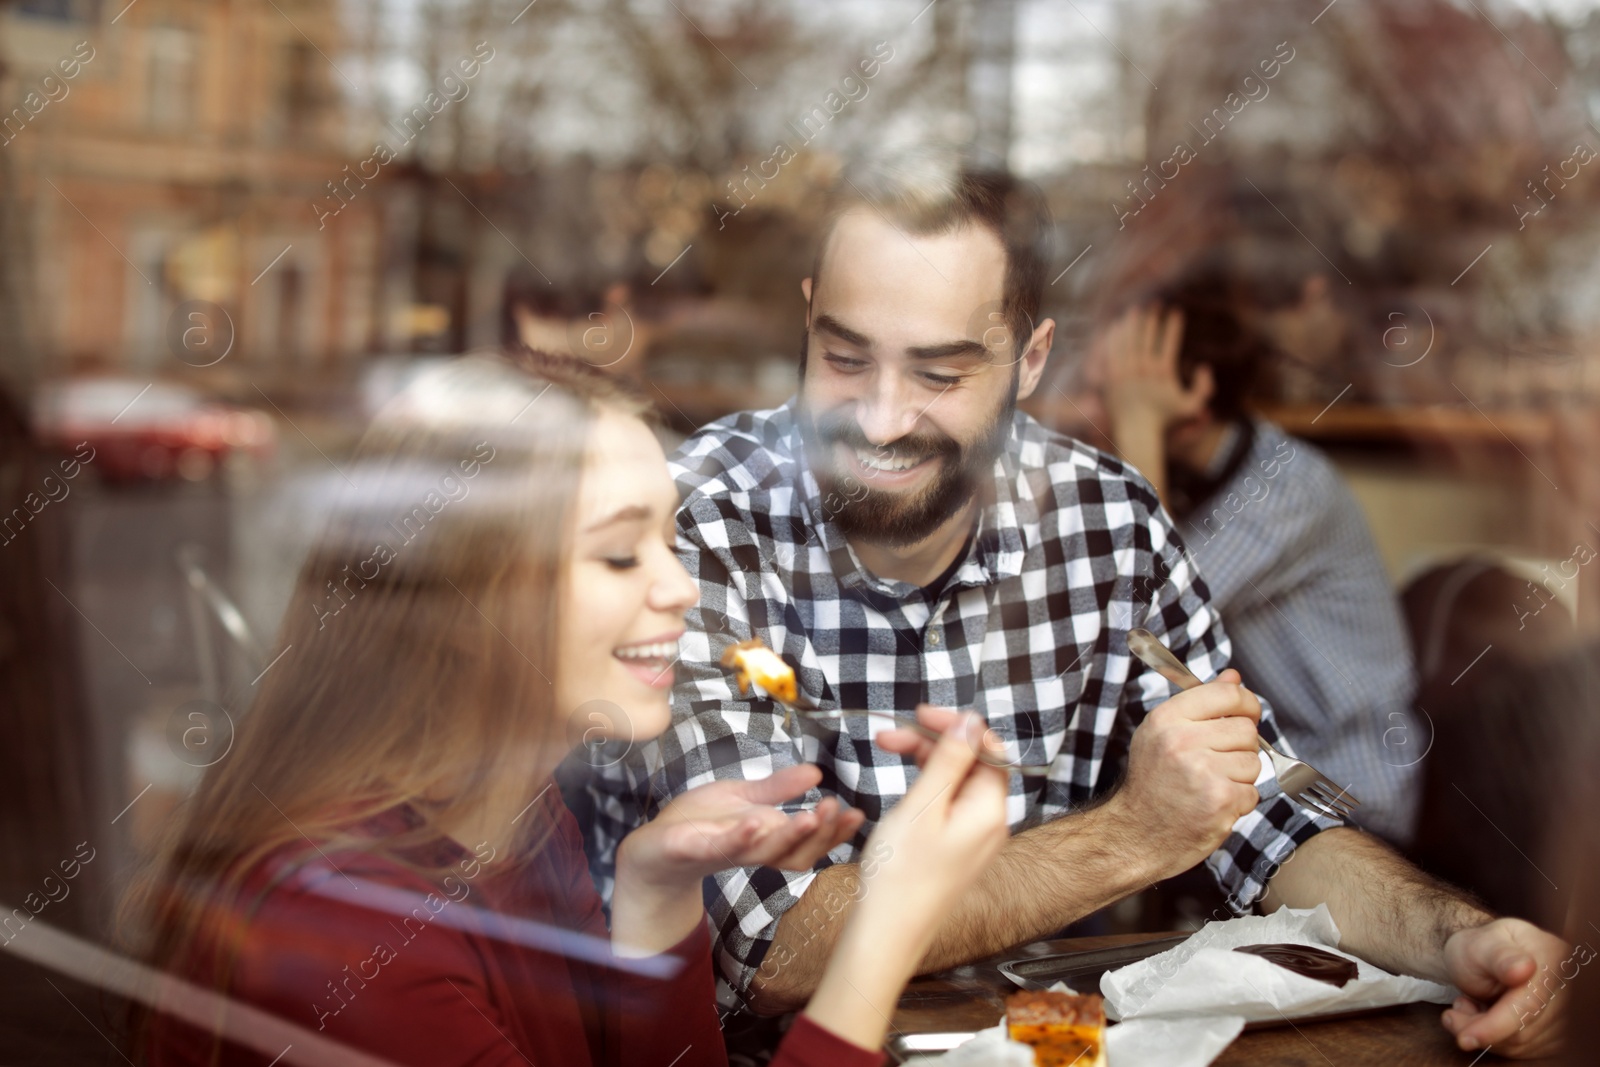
(1203, 976)
(1136, 1043)
(991, 1048)
(1170, 1042)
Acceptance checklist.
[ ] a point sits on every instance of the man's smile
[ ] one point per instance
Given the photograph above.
(883, 468)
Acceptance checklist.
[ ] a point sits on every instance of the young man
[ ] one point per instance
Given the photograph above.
(1286, 553)
(902, 536)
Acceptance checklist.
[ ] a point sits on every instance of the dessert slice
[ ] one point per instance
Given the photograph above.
(752, 661)
(1065, 1029)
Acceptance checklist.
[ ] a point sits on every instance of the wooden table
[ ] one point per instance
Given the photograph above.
(972, 998)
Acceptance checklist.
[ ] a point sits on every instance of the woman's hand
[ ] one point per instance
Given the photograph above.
(936, 842)
(1135, 364)
(925, 854)
(708, 829)
(732, 823)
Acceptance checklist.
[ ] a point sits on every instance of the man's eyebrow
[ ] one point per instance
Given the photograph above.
(631, 513)
(948, 350)
(842, 332)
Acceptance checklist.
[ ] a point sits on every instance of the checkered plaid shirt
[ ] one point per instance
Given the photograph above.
(1072, 549)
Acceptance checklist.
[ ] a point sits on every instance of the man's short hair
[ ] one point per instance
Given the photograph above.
(931, 192)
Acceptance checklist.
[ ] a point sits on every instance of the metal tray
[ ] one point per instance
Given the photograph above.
(1081, 971)
(909, 1048)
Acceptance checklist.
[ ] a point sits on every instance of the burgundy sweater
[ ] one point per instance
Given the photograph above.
(488, 965)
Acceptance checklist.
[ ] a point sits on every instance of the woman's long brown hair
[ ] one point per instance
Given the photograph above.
(419, 648)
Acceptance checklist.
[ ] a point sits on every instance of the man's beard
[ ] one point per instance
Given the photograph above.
(896, 519)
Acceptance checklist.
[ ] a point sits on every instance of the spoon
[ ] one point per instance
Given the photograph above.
(837, 715)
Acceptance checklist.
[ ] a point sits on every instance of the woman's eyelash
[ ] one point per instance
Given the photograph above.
(622, 563)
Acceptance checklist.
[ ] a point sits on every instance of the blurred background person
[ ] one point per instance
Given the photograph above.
(1279, 540)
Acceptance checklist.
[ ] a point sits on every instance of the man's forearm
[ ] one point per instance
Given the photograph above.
(1044, 879)
(1388, 911)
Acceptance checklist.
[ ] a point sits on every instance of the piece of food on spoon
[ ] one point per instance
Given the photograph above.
(1063, 1028)
(753, 662)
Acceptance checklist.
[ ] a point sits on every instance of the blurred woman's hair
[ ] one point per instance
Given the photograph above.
(1216, 335)
(417, 657)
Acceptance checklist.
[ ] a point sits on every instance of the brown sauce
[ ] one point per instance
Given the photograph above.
(1311, 962)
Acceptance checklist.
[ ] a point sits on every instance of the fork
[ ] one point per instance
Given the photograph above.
(837, 715)
(1299, 779)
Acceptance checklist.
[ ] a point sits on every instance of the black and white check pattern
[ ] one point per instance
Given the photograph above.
(1072, 550)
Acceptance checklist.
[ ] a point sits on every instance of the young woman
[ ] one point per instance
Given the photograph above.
(381, 860)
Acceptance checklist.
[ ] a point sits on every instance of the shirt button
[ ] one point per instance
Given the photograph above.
(933, 638)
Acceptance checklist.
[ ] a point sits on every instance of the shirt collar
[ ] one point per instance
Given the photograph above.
(1224, 451)
(1007, 522)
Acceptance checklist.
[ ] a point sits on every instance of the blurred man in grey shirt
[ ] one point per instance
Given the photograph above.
(1278, 538)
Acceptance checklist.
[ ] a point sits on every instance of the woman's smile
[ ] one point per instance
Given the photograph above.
(651, 661)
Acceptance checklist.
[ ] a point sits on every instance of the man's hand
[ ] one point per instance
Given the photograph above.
(1512, 976)
(1138, 367)
(1192, 768)
(1389, 913)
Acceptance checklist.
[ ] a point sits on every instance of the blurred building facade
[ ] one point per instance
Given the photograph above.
(172, 151)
